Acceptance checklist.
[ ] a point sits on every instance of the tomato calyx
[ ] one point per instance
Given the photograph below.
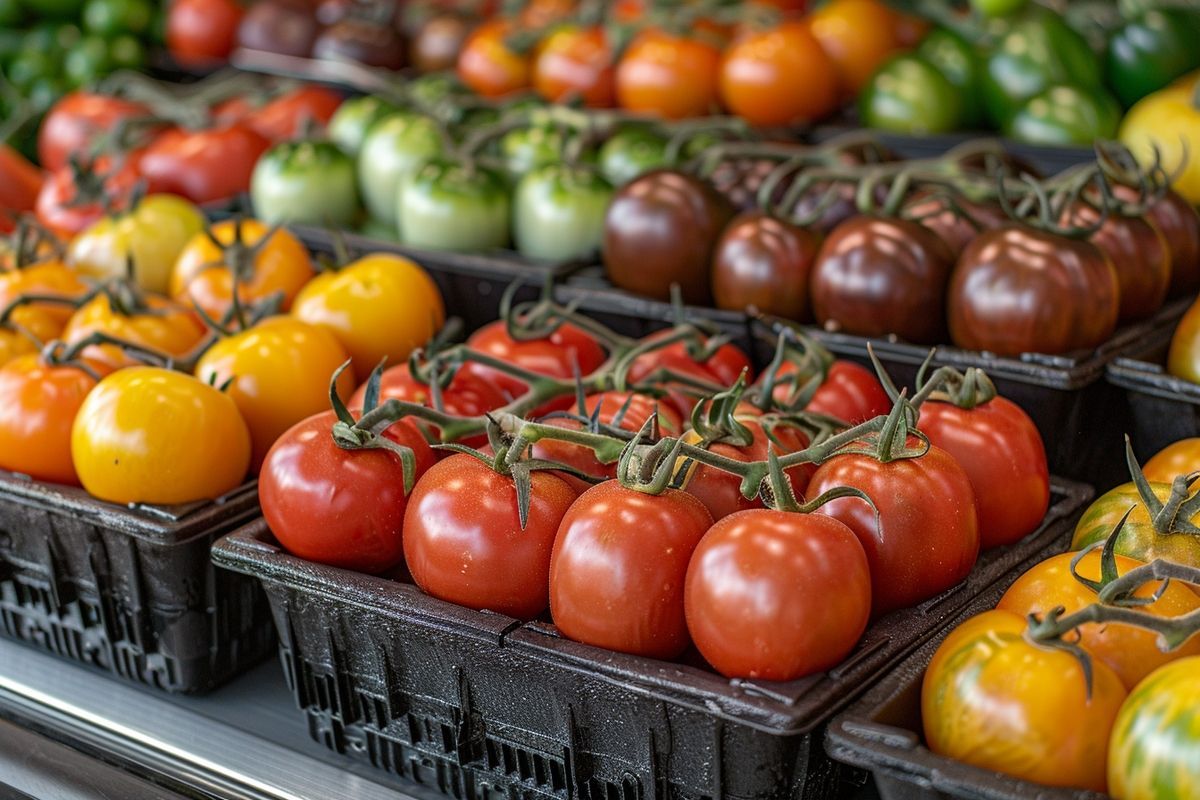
(29, 245)
(1174, 516)
(349, 435)
(800, 364)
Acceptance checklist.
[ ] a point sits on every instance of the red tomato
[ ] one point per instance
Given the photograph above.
(76, 120)
(721, 491)
(575, 63)
(464, 543)
(777, 595)
(202, 32)
(614, 586)
(1002, 452)
(672, 76)
(722, 369)
(286, 116)
(927, 538)
(850, 392)
(339, 507)
(59, 205)
(487, 64)
(555, 356)
(20, 183)
(205, 166)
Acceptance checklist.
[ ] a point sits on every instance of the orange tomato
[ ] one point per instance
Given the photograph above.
(163, 326)
(576, 62)
(672, 76)
(204, 274)
(540, 13)
(50, 277)
(27, 329)
(858, 35)
(758, 76)
(1131, 652)
(489, 66)
(1177, 458)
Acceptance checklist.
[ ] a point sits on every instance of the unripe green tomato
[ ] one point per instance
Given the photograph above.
(558, 212)
(395, 148)
(305, 182)
(450, 205)
(630, 153)
(354, 118)
(908, 95)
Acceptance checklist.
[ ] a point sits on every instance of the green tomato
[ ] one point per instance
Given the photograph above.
(53, 9)
(395, 147)
(1152, 50)
(631, 152)
(305, 182)
(447, 205)
(525, 149)
(954, 57)
(87, 62)
(997, 8)
(354, 118)
(558, 212)
(1066, 115)
(111, 17)
(908, 95)
(30, 66)
(431, 89)
(1038, 51)
(126, 52)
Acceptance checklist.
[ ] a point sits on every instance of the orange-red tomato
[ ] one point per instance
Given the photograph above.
(858, 35)
(576, 62)
(489, 66)
(759, 76)
(672, 76)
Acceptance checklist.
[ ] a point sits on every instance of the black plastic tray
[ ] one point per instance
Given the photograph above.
(130, 590)
(480, 706)
(1163, 408)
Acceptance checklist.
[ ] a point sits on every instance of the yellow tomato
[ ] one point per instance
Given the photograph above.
(164, 327)
(1177, 458)
(281, 370)
(994, 700)
(204, 275)
(153, 234)
(381, 305)
(51, 278)
(1155, 748)
(28, 327)
(1169, 121)
(150, 435)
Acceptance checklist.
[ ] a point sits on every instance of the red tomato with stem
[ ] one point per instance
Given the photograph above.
(339, 507)
(75, 122)
(927, 537)
(489, 66)
(575, 63)
(618, 567)
(202, 32)
(672, 76)
(62, 209)
(722, 369)
(849, 392)
(20, 184)
(777, 595)
(555, 356)
(464, 542)
(286, 116)
(205, 166)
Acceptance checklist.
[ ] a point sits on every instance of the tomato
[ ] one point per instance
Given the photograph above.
(1065, 116)
(994, 700)
(1177, 458)
(286, 116)
(49, 277)
(1002, 452)
(204, 274)
(671, 76)
(858, 35)
(777, 595)
(393, 149)
(910, 95)
(575, 63)
(450, 204)
(339, 507)
(556, 356)
(307, 182)
(380, 306)
(630, 152)
(1183, 358)
(927, 536)
(354, 117)
(558, 212)
(161, 325)
(464, 542)
(758, 76)
(722, 368)
(27, 329)
(720, 491)
(487, 65)
(38, 403)
(849, 392)
(20, 184)
(205, 166)
(75, 121)
(1138, 252)
(151, 235)
(150, 435)
(202, 32)
(280, 370)
(611, 585)
(1141, 537)
(1154, 750)
(765, 262)
(74, 199)
(1131, 652)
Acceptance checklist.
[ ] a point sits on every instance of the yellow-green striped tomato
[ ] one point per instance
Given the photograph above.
(1155, 749)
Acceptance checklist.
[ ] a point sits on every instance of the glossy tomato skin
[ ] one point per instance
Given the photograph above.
(777, 595)
(339, 507)
(764, 262)
(758, 76)
(50, 277)
(463, 540)
(576, 63)
(876, 276)
(1019, 290)
(956, 227)
(1002, 452)
(555, 356)
(75, 120)
(1131, 652)
(722, 369)
(205, 166)
(164, 326)
(1138, 538)
(851, 393)
(202, 32)
(1140, 256)
(466, 396)
(38, 404)
(1179, 223)
(858, 35)
(150, 435)
(29, 328)
(1154, 746)
(618, 566)
(1178, 458)
(202, 277)
(285, 117)
(1183, 357)
(58, 203)
(488, 66)
(1041, 727)
(20, 184)
(280, 371)
(671, 76)
(927, 538)
(661, 229)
